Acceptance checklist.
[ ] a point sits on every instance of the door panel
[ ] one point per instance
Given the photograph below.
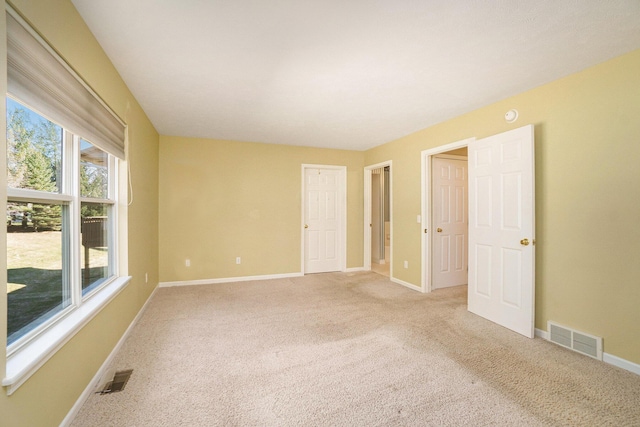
(501, 216)
(449, 222)
(512, 278)
(480, 276)
(331, 208)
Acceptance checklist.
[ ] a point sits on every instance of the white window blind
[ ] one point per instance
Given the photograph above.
(37, 76)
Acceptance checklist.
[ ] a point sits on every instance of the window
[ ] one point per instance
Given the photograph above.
(49, 201)
(64, 146)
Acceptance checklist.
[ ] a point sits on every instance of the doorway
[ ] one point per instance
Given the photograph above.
(378, 219)
(380, 225)
(449, 184)
(432, 246)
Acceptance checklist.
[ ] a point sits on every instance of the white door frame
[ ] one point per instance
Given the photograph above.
(342, 212)
(367, 215)
(426, 156)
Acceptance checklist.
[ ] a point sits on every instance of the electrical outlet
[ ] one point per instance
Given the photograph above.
(406, 264)
(187, 262)
(238, 260)
(146, 277)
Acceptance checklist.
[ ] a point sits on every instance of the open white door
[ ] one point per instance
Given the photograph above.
(501, 229)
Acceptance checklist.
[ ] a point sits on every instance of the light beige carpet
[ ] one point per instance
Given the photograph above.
(348, 349)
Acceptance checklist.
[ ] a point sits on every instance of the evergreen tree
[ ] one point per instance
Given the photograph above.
(48, 140)
(38, 176)
(33, 162)
(46, 217)
(43, 217)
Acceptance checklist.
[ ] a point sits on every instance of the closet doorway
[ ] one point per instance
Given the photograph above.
(378, 221)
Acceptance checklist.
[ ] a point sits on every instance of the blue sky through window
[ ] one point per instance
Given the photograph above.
(34, 117)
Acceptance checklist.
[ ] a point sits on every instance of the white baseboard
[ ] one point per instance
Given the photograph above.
(228, 280)
(542, 334)
(406, 284)
(606, 357)
(91, 387)
(621, 363)
(242, 278)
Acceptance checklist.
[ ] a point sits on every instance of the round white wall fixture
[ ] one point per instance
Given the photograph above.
(511, 116)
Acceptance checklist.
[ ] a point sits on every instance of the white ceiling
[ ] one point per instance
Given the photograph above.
(348, 74)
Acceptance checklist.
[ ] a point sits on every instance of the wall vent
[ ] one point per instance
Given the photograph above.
(117, 384)
(586, 344)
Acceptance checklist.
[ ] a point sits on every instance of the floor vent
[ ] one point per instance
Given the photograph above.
(117, 384)
(586, 344)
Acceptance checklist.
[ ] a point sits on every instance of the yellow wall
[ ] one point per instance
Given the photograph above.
(220, 200)
(46, 398)
(587, 132)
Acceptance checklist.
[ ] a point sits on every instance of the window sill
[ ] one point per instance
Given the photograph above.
(28, 359)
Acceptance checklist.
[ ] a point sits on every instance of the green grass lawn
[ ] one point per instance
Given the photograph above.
(34, 276)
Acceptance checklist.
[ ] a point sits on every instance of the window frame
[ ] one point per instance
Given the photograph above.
(30, 351)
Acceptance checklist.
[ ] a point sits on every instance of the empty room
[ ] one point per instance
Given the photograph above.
(320, 213)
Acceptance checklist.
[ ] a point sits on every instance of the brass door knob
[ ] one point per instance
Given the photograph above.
(524, 242)
(306, 226)
(439, 230)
